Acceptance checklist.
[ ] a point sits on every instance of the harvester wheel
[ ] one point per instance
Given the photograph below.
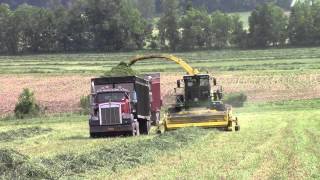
(237, 128)
(228, 128)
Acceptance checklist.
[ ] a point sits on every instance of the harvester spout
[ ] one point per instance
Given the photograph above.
(181, 62)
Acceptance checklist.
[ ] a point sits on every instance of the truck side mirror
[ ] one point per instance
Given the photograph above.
(214, 81)
(178, 83)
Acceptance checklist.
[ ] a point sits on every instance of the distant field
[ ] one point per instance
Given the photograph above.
(273, 60)
(279, 137)
(279, 140)
(60, 80)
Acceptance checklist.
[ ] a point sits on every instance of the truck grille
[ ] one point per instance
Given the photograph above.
(110, 114)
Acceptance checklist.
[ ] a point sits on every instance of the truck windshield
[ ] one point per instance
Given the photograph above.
(110, 96)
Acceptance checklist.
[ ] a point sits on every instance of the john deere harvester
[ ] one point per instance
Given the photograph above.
(198, 100)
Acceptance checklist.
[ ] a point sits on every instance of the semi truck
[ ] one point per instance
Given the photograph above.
(125, 105)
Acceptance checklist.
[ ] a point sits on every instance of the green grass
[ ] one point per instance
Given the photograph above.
(278, 140)
(271, 60)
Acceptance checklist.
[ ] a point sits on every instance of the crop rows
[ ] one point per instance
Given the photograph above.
(226, 60)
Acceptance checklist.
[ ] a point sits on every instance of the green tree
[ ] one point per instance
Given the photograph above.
(103, 20)
(316, 21)
(5, 15)
(221, 30)
(304, 23)
(239, 34)
(61, 19)
(267, 26)
(169, 25)
(10, 28)
(133, 28)
(195, 26)
(115, 25)
(146, 7)
(36, 29)
(72, 25)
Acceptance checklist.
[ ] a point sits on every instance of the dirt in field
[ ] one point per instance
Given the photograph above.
(62, 93)
(54, 93)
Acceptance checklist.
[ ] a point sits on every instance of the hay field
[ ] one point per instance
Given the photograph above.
(278, 140)
(60, 80)
(279, 137)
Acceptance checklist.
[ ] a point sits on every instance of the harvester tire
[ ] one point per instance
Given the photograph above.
(237, 128)
(228, 128)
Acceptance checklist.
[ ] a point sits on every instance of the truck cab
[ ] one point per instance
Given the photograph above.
(124, 105)
(113, 107)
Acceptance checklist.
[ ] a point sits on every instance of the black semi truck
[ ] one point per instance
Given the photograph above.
(123, 105)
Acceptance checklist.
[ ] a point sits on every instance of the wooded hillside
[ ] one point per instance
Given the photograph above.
(210, 5)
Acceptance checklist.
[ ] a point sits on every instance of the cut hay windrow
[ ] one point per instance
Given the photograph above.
(22, 133)
(14, 165)
(123, 156)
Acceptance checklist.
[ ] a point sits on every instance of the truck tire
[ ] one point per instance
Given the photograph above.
(93, 135)
(144, 126)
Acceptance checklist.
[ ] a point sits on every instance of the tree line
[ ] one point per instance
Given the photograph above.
(269, 26)
(154, 7)
(97, 25)
(118, 25)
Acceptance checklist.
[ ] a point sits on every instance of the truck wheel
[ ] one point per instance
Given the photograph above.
(93, 135)
(144, 126)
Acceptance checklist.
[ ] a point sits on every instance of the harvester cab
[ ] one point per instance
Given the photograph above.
(198, 91)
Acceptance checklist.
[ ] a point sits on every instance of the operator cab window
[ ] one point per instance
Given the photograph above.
(204, 82)
(191, 82)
